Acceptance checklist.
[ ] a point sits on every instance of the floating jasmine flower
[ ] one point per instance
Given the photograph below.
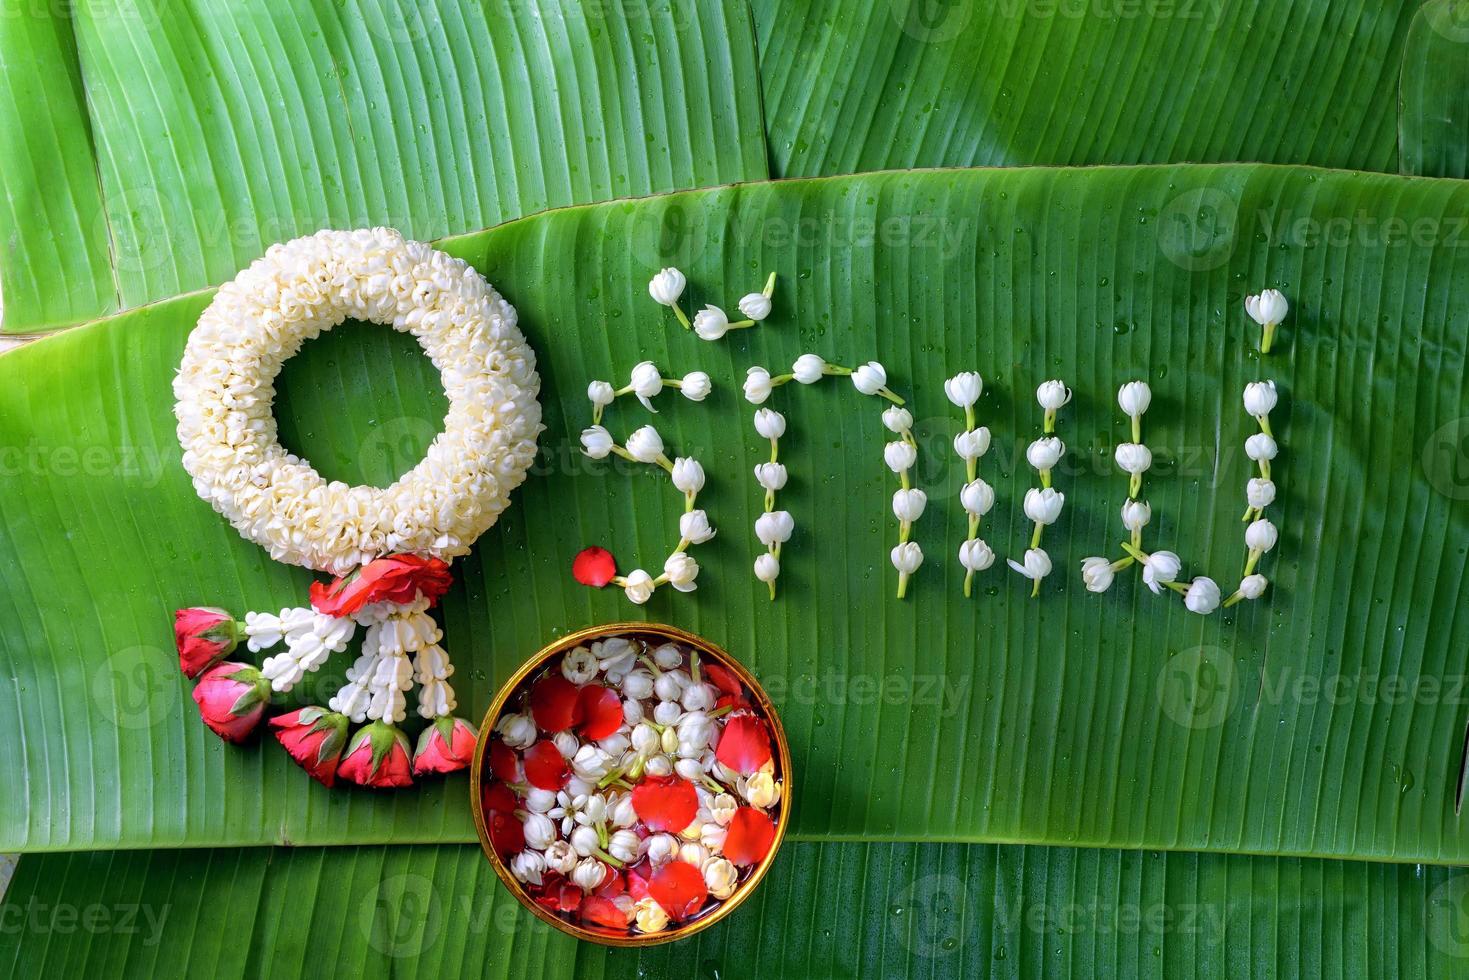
(808, 369)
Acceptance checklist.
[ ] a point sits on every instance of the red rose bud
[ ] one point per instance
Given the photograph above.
(444, 746)
(314, 737)
(396, 578)
(232, 698)
(593, 566)
(377, 756)
(204, 635)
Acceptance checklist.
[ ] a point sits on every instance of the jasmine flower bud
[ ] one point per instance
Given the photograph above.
(767, 568)
(1134, 398)
(1261, 447)
(579, 666)
(661, 848)
(899, 455)
(1036, 566)
(710, 323)
(649, 916)
(771, 476)
(1202, 596)
(1044, 506)
(591, 763)
(645, 445)
(1045, 453)
(561, 856)
(1268, 308)
(539, 800)
(528, 866)
(1260, 398)
(639, 587)
(624, 845)
(637, 685)
(518, 730)
(1052, 395)
(870, 378)
(757, 385)
(1097, 573)
(755, 306)
(770, 423)
(1253, 586)
(600, 393)
(688, 475)
(1261, 535)
(1136, 514)
(1134, 458)
(539, 831)
(721, 877)
(1260, 493)
(694, 528)
(761, 790)
(907, 557)
(589, 874)
(973, 443)
(897, 419)
(809, 368)
(908, 505)
(696, 386)
(964, 388)
(667, 286)
(596, 442)
(681, 571)
(1160, 568)
(977, 497)
(646, 382)
(975, 555)
(774, 528)
(723, 808)
(668, 656)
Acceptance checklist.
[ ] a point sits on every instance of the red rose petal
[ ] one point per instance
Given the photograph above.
(722, 677)
(749, 838)
(503, 762)
(545, 766)
(601, 712)
(744, 745)
(507, 836)
(554, 703)
(499, 798)
(593, 566)
(665, 802)
(679, 888)
(601, 911)
(637, 880)
(559, 895)
(732, 702)
(612, 885)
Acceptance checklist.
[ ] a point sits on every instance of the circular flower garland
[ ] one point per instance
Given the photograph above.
(632, 787)
(595, 566)
(388, 546)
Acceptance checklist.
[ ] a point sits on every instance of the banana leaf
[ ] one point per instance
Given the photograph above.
(918, 83)
(1434, 128)
(157, 146)
(830, 910)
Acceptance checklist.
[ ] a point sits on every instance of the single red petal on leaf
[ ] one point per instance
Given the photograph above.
(665, 802)
(555, 704)
(545, 766)
(602, 912)
(593, 566)
(722, 677)
(749, 836)
(601, 711)
(503, 762)
(679, 888)
(744, 745)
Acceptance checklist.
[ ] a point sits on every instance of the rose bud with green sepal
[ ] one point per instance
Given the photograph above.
(204, 635)
(445, 745)
(232, 698)
(377, 757)
(314, 737)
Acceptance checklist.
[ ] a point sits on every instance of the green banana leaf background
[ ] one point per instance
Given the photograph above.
(991, 786)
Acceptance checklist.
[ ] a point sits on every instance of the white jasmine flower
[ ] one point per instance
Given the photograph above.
(589, 874)
(722, 808)
(667, 286)
(975, 555)
(632, 711)
(699, 697)
(1160, 568)
(899, 455)
(637, 685)
(761, 790)
(964, 388)
(774, 528)
(560, 856)
(1260, 493)
(696, 386)
(769, 423)
(584, 841)
(1052, 395)
(1133, 457)
(639, 587)
(1134, 398)
(601, 394)
(539, 831)
(681, 570)
(767, 568)
(1261, 535)
(757, 385)
(591, 763)
(694, 527)
(1202, 596)
(1097, 573)
(809, 368)
(755, 306)
(518, 730)
(667, 656)
(688, 475)
(1136, 514)
(1045, 453)
(1036, 566)
(645, 445)
(596, 442)
(972, 444)
(897, 419)
(1253, 586)
(649, 916)
(907, 557)
(616, 656)
(1268, 308)
(528, 866)
(622, 813)
(908, 505)
(539, 800)
(661, 848)
(646, 383)
(771, 476)
(579, 666)
(625, 845)
(566, 743)
(721, 877)
(1261, 447)
(870, 378)
(710, 323)
(1044, 505)
(1260, 398)
(977, 497)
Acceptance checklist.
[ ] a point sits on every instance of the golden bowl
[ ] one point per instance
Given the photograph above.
(656, 633)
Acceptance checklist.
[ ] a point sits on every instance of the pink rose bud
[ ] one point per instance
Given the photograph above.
(315, 738)
(445, 745)
(377, 756)
(232, 698)
(204, 635)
